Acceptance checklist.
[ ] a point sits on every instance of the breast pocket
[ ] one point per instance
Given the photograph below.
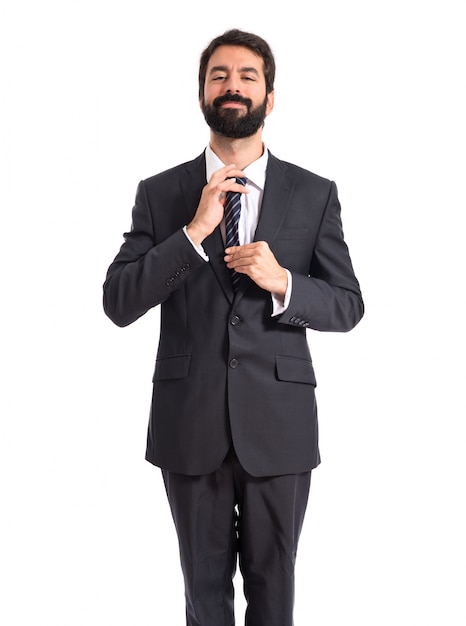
(293, 233)
(294, 253)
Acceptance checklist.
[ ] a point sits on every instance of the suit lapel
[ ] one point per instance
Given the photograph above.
(275, 201)
(192, 186)
(214, 248)
(274, 207)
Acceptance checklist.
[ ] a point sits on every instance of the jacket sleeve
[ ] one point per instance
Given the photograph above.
(146, 271)
(329, 298)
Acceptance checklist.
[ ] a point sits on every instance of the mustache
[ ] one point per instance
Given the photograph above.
(232, 97)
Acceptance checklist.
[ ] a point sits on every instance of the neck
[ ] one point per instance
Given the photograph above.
(241, 152)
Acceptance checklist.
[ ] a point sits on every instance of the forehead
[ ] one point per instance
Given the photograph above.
(234, 58)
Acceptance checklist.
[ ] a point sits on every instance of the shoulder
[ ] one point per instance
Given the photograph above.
(298, 175)
(297, 171)
(193, 168)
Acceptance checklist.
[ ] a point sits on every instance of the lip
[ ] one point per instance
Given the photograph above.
(232, 105)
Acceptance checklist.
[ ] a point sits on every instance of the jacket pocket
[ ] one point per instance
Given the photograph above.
(172, 367)
(295, 370)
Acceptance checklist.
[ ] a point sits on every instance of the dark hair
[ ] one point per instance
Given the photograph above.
(237, 37)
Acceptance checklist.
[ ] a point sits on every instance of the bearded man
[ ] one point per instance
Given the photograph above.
(243, 252)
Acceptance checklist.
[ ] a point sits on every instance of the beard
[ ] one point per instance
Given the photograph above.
(234, 123)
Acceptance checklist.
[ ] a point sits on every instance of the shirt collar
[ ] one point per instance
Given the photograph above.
(255, 171)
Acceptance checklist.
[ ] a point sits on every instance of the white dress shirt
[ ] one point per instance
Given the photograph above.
(250, 210)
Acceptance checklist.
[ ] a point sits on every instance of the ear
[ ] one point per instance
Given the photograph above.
(270, 102)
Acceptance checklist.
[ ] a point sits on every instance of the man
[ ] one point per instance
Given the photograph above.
(233, 421)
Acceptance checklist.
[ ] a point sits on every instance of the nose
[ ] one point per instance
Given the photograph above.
(232, 85)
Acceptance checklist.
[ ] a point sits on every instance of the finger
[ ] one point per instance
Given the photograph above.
(244, 246)
(238, 264)
(223, 171)
(230, 183)
(236, 252)
(240, 260)
(226, 172)
(245, 249)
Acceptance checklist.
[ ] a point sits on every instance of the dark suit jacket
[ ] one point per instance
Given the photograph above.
(226, 370)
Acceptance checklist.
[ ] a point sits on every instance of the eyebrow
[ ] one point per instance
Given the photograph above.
(224, 68)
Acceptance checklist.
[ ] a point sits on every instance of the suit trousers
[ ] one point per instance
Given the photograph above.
(229, 515)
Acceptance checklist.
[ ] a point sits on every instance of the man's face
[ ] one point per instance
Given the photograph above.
(235, 102)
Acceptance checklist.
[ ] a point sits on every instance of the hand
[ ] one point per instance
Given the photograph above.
(209, 213)
(259, 263)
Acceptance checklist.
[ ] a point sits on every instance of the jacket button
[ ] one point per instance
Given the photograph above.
(235, 320)
(234, 363)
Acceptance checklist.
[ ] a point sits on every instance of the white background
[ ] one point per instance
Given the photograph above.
(99, 94)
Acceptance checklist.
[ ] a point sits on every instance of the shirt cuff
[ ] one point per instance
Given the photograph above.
(199, 249)
(279, 305)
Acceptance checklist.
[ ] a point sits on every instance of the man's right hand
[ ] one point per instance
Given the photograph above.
(209, 213)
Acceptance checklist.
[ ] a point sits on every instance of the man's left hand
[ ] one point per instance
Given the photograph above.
(259, 263)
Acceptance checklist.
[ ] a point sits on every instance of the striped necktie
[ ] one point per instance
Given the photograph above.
(232, 212)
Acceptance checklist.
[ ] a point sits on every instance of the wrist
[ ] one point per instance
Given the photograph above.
(195, 233)
(282, 284)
